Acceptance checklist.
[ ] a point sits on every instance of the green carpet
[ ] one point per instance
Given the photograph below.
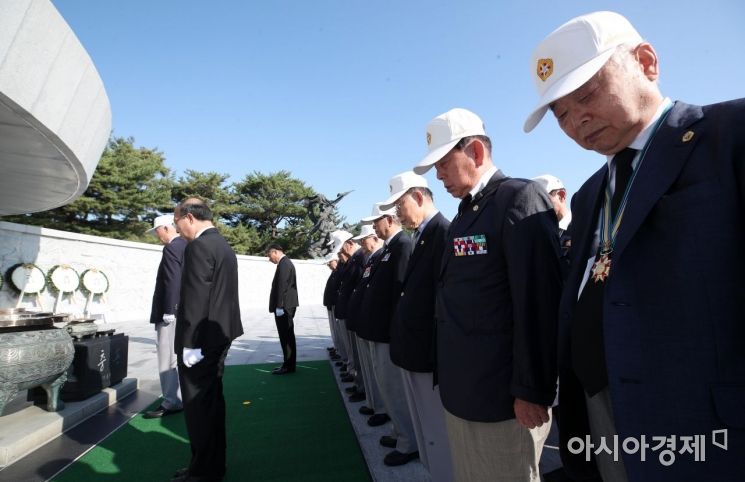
(295, 428)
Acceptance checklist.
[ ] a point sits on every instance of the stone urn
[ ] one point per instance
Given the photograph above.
(34, 358)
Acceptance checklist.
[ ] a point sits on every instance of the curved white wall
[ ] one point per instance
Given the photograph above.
(131, 268)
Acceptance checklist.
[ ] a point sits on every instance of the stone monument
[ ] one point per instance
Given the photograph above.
(322, 213)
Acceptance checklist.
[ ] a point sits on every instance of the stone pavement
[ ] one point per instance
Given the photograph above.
(260, 344)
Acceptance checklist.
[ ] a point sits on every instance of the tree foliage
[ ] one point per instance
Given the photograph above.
(132, 185)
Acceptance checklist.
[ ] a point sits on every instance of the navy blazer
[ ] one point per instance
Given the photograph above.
(330, 292)
(674, 304)
(383, 288)
(497, 303)
(348, 278)
(209, 315)
(284, 286)
(355, 299)
(413, 327)
(168, 280)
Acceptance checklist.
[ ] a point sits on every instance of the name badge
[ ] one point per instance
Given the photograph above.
(386, 257)
(367, 272)
(470, 245)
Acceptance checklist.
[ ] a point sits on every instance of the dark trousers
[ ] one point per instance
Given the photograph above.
(204, 412)
(286, 331)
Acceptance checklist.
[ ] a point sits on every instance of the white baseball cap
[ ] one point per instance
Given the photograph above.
(162, 220)
(378, 212)
(339, 237)
(444, 132)
(570, 55)
(367, 230)
(549, 182)
(400, 183)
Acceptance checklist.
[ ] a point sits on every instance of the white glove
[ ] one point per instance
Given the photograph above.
(192, 356)
(279, 312)
(168, 319)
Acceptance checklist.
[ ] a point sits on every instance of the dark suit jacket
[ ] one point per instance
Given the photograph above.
(497, 303)
(284, 286)
(332, 286)
(674, 310)
(168, 280)
(209, 315)
(413, 327)
(355, 299)
(348, 277)
(383, 290)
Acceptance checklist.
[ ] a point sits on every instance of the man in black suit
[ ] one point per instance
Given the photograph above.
(496, 309)
(283, 302)
(209, 319)
(163, 313)
(651, 319)
(374, 325)
(329, 300)
(413, 326)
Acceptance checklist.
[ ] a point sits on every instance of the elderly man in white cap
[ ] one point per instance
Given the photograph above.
(363, 378)
(374, 325)
(329, 300)
(652, 313)
(413, 327)
(351, 272)
(497, 300)
(558, 194)
(163, 313)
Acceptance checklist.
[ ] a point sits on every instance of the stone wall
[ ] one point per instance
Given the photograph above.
(131, 269)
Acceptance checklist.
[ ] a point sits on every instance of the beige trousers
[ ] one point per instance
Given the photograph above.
(494, 452)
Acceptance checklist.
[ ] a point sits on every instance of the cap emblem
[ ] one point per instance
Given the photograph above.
(429, 138)
(545, 68)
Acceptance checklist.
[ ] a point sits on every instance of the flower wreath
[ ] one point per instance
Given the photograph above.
(63, 278)
(90, 280)
(26, 277)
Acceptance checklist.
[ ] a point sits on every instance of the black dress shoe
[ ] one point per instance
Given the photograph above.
(378, 419)
(331, 348)
(366, 410)
(162, 412)
(343, 373)
(397, 458)
(347, 379)
(357, 397)
(282, 371)
(335, 357)
(339, 363)
(351, 389)
(388, 441)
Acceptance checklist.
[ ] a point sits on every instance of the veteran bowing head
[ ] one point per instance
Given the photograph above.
(410, 197)
(275, 252)
(459, 149)
(191, 217)
(384, 221)
(599, 78)
(368, 239)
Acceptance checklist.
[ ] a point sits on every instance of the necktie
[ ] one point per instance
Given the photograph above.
(622, 162)
(464, 203)
(588, 351)
(415, 235)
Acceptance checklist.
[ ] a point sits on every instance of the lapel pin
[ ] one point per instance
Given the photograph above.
(475, 207)
(687, 136)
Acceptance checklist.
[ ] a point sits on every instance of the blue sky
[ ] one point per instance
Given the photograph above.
(339, 92)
